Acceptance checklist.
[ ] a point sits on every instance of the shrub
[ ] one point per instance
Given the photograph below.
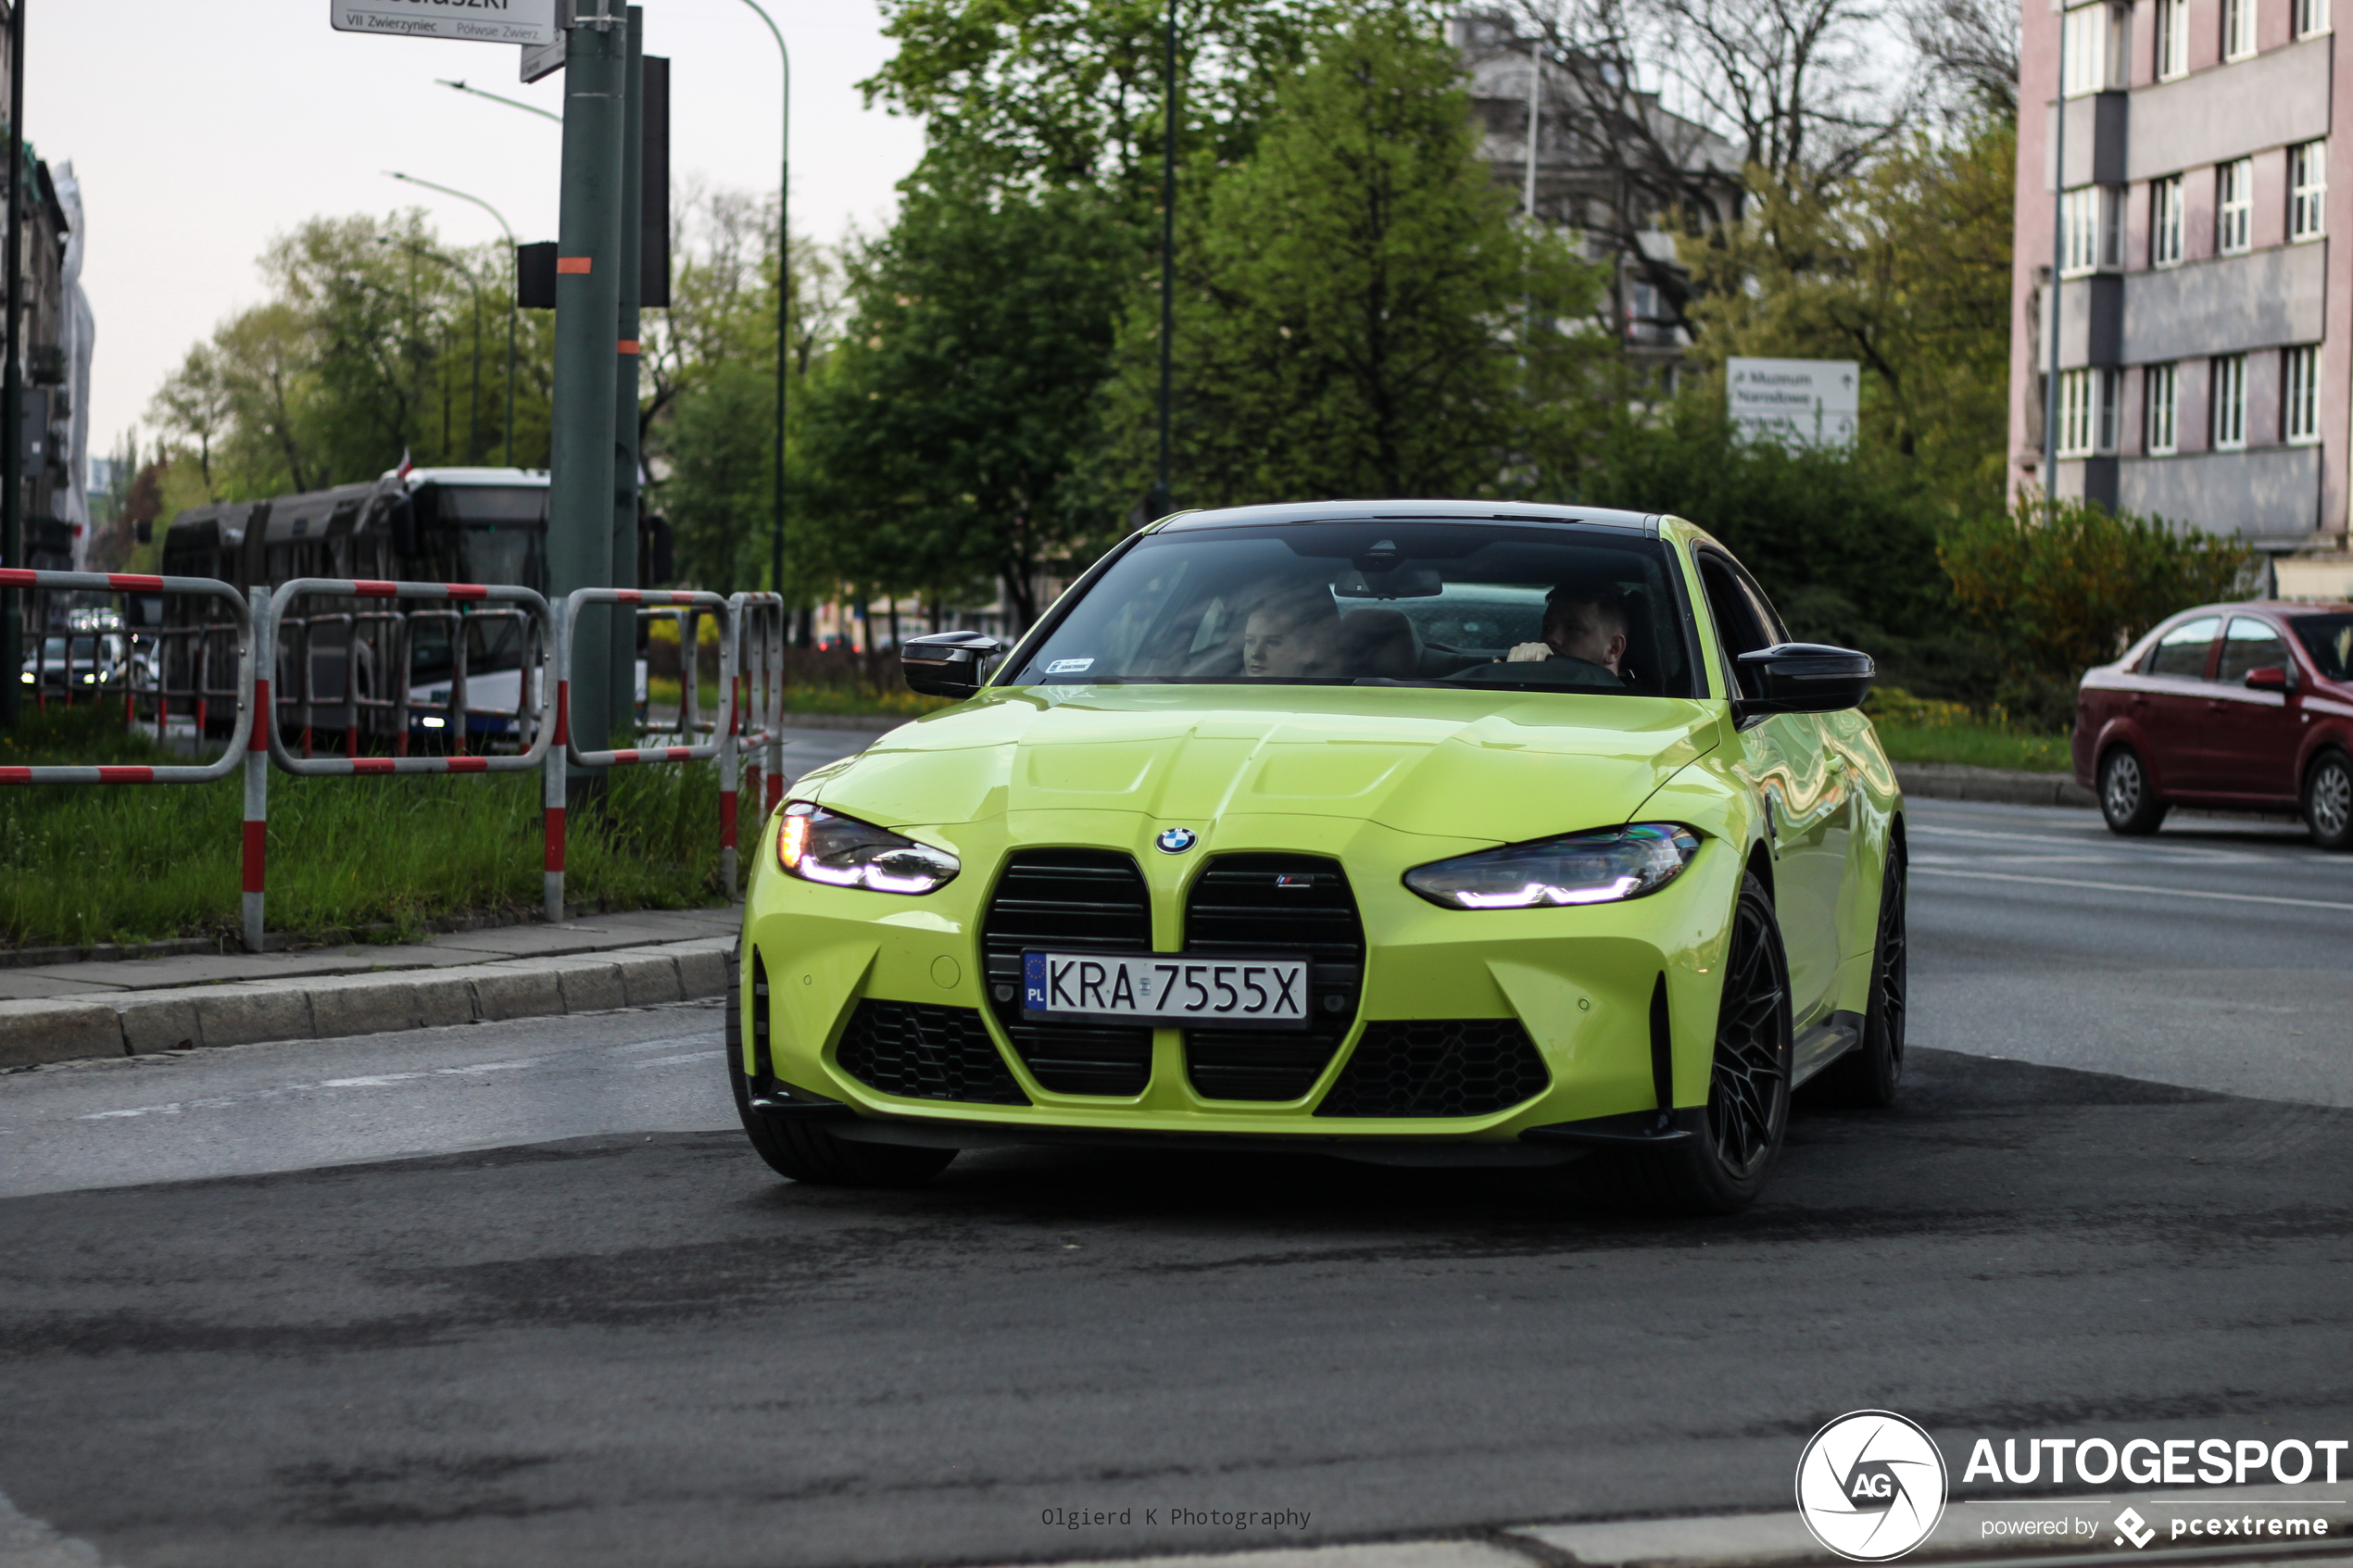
(2058, 589)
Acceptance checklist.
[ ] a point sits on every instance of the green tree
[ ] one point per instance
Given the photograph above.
(1357, 313)
(1906, 269)
(1071, 92)
(944, 434)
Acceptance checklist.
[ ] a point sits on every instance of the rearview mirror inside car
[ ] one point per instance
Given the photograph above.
(1803, 678)
(2271, 678)
(1397, 583)
(947, 663)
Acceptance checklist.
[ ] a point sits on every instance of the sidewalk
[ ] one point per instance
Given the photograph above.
(129, 1007)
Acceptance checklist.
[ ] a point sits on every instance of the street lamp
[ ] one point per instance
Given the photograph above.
(473, 403)
(784, 299)
(512, 309)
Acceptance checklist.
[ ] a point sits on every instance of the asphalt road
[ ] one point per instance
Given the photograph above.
(517, 1293)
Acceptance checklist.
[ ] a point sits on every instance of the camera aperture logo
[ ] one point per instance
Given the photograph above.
(1871, 1485)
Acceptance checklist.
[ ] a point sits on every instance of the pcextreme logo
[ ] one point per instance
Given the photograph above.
(1871, 1485)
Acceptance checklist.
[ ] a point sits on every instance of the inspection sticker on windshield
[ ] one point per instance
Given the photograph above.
(1233, 993)
(1070, 666)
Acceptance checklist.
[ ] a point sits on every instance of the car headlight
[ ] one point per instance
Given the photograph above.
(816, 845)
(1578, 868)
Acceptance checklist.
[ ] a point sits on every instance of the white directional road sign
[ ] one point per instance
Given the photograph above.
(475, 21)
(1795, 402)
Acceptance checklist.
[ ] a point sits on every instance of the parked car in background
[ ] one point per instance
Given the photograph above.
(2245, 706)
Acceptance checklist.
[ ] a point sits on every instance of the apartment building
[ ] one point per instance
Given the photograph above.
(2203, 355)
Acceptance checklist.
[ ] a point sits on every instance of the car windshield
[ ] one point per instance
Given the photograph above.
(1533, 608)
(2329, 639)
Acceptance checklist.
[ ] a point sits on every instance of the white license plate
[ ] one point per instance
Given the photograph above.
(1145, 988)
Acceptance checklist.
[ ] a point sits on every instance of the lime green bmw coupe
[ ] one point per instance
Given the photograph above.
(1407, 831)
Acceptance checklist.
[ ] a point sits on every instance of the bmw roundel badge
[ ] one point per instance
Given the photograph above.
(1176, 841)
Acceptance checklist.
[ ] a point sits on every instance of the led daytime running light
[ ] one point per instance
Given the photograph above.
(1587, 868)
(824, 846)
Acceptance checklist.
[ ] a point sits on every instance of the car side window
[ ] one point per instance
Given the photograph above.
(1737, 619)
(2250, 644)
(2181, 652)
(1766, 615)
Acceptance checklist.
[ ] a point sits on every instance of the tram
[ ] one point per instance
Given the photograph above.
(483, 525)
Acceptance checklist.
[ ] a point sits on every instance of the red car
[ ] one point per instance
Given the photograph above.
(2246, 706)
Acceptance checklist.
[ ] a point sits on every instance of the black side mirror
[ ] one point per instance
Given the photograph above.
(947, 663)
(1803, 678)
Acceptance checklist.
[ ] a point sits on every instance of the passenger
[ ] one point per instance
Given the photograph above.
(1290, 632)
(1587, 622)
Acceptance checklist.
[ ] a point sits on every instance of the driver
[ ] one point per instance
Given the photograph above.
(1582, 620)
(1290, 632)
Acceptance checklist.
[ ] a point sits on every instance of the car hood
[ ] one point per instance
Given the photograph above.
(1449, 763)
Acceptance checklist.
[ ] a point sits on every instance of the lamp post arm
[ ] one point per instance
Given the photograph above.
(510, 102)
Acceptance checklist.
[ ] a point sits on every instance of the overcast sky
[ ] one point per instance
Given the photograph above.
(199, 131)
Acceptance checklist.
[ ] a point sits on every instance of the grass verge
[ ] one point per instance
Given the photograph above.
(80, 865)
(1919, 730)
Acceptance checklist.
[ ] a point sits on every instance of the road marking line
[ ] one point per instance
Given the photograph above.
(672, 1061)
(2132, 887)
(2093, 836)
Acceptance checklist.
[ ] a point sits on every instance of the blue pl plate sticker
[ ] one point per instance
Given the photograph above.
(1033, 980)
(1070, 666)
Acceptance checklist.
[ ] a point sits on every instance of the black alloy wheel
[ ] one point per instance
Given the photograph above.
(2131, 807)
(1869, 1075)
(2328, 801)
(805, 1150)
(1720, 1167)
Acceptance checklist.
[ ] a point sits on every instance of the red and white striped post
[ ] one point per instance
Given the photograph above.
(551, 796)
(256, 828)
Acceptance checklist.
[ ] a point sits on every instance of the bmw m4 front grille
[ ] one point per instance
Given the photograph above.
(1437, 1067)
(1074, 901)
(1254, 905)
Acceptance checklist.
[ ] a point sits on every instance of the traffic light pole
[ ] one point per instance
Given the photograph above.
(589, 270)
(623, 569)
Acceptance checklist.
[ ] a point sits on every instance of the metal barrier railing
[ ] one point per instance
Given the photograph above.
(722, 745)
(458, 759)
(760, 666)
(749, 717)
(132, 583)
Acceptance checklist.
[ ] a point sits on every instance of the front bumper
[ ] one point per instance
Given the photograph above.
(1580, 981)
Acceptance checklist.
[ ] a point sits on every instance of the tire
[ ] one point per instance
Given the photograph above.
(805, 1151)
(2328, 801)
(1722, 1166)
(1870, 1075)
(2131, 807)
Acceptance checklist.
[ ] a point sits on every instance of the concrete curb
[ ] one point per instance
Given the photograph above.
(336, 1005)
(2007, 786)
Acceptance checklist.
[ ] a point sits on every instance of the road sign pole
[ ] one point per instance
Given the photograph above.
(624, 571)
(588, 272)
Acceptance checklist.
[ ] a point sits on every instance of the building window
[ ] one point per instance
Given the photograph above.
(2094, 44)
(2091, 232)
(2302, 422)
(2308, 181)
(2160, 397)
(2173, 39)
(2165, 221)
(2311, 17)
(2087, 413)
(2238, 29)
(2234, 204)
(2229, 403)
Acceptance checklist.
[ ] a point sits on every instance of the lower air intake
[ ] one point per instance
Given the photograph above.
(923, 1053)
(1437, 1067)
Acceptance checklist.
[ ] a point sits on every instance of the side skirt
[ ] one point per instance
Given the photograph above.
(1818, 1045)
